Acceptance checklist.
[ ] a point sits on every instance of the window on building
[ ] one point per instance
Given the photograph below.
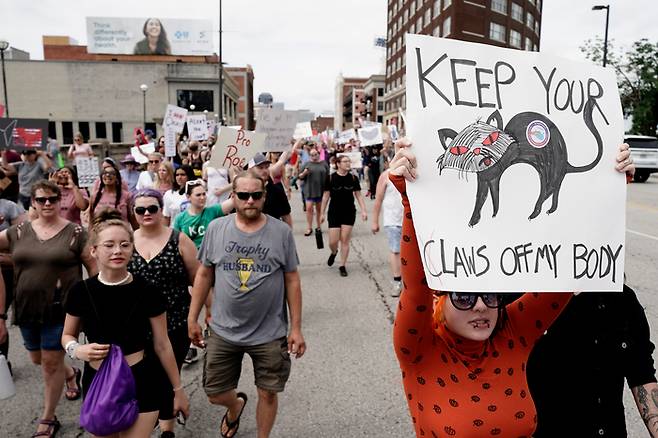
(413, 7)
(419, 24)
(101, 130)
(117, 132)
(528, 43)
(390, 15)
(446, 26)
(380, 106)
(67, 132)
(537, 27)
(531, 1)
(428, 16)
(497, 32)
(539, 4)
(152, 127)
(404, 58)
(52, 130)
(437, 30)
(517, 12)
(380, 119)
(395, 8)
(530, 20)
(400, 4)
(406, 16)
(499, 6)
(446, 3)
(83, 127)
(201, 99)
(437, 8)
(412, 29)
(514, 38)
(380, 92)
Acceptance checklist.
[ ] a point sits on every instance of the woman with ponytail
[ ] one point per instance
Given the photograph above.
(118, 308)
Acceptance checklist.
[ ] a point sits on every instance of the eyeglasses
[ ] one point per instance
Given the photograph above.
(154, 161)
(194, 183)
(467, 300)
(243, 196)
(123, 246)
(42, 199)
(152, 209)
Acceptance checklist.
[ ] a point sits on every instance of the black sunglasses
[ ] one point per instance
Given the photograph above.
(42, 199)
(154, 161)
(243, 196)
(467, 300)
(153, 209)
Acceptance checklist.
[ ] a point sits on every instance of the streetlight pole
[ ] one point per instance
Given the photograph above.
(144, 88)
(4, 45)
(221, 67)
(605, 40)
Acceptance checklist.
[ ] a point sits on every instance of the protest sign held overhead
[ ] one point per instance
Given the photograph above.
(141, 157)
(170, 142)
(175, 118)
(356, 160)
(197, 127)
(234, 148)
(556, 221)
(279, 125)
(371, 135)
(23, 134)
(345, 136)
(87, 169)
(303, 130)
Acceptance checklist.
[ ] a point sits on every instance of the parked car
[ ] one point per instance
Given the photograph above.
(644, 151)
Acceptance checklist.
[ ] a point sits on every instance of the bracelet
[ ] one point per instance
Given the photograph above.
(179, 388)
(71, 347)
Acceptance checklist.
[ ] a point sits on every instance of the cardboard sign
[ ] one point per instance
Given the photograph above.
(345, 136)
(234, 148)
(516, 150)
(146, 148)
(88, 170)
(302, 130)
(174, 118)
(371, 135)
(211, 125)
(355, 158)
(279, 125)
(23, 134)
(393, 132)
(197, 127)
(170, 141)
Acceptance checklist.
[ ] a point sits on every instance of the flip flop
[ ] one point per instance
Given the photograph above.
(77, 376)
(232, 426)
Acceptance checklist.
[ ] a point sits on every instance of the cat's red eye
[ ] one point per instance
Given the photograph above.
(458, 150)
(477, 151)
(491, 138)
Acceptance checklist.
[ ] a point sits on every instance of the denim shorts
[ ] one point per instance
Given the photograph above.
(42, 337)
(394, 233)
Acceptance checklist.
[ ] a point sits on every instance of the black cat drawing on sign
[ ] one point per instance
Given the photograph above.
(529, 138)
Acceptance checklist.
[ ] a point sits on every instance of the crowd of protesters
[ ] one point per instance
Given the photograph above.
(132, 260)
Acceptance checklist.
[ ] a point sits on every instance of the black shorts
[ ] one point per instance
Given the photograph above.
(147, 383)
(338, 217)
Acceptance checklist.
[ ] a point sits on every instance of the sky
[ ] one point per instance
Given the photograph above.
(298, 48)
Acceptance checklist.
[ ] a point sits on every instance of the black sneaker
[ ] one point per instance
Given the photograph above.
(167, 434)
(191, 356)
(332, 259)
(343, 271)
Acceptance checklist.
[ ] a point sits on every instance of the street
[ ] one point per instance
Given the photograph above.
(348, 383)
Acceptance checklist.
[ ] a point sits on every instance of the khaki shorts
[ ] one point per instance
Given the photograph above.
(223, 363)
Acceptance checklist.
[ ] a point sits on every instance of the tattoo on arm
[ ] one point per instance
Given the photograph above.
(648, 407)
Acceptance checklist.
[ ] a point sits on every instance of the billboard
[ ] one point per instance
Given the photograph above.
(149, 36)
(23, 134)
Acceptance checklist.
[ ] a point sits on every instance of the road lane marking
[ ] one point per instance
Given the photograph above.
(637, 233)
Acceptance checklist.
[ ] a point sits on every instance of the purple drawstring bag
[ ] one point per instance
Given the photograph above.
(110, 405)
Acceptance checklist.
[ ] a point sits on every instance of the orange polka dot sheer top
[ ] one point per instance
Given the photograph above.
(459, 387)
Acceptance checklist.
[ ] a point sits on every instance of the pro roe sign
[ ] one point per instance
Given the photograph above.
(130, 36)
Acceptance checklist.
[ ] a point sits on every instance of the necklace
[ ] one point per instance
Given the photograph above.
(116, 283)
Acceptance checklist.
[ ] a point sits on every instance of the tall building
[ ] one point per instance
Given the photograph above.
(358, 99)
(506, 23)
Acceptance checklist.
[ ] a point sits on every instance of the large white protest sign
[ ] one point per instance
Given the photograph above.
(140, 157)
(212, 127)
(87, 169)
(170, 141)
(174, 118)
(121, 35)
(516, 151)
(356, 160)
(236, 147)
(371, 135)
(345, 136)
(197, 127)
(279, 125)
(303, 130)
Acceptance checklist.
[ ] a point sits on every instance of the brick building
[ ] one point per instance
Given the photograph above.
(358, 98)
(506, 23)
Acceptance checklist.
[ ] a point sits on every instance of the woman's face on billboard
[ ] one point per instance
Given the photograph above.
(153, 27)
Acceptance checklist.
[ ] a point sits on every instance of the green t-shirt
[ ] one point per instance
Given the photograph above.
(195, 226)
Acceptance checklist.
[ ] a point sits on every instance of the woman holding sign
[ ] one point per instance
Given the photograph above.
(463, 365)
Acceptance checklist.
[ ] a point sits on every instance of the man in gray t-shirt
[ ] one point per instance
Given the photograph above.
(251, 261)
(314, 173)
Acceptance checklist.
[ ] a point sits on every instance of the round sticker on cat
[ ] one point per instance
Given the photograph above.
(537, 134)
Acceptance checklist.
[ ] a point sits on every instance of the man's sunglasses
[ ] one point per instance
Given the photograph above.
(154, 161)
(153, 209)
(42, 199)
(467, 300)
(243, 196)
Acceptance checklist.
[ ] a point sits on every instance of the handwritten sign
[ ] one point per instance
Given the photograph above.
(170, 141)
(356, 160)
(516, 151)
(88, 171)
(279, 125)
(303, 130)
(371, 135)
(197, 127)
(234, 148)
(23, 134)
(212, 127)
(138, 156)
(345, 136)
(174, 118)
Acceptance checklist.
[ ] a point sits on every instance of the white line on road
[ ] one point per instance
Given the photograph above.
(637, 233)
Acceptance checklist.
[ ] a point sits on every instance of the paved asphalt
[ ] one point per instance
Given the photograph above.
(348, 383)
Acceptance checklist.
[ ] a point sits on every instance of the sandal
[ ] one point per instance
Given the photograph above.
(232, 426)
(73, 394)
(53, 427)
(308, 232)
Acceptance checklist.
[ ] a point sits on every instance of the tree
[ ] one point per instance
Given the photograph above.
(637, 76)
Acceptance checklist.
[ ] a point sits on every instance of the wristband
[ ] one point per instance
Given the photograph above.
(71, 347)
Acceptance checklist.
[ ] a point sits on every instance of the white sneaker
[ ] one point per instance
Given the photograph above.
(397, 288)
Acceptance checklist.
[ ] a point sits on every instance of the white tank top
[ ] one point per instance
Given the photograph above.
(392, 206)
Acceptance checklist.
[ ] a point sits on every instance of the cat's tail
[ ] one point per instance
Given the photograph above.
(587, 117)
